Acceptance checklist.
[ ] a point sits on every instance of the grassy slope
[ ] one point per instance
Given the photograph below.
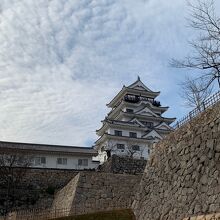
(125, 214)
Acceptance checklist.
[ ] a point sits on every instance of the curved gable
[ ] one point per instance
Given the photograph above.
(139, 85)
(146, 111)
(135, 120)
(152, 134)
(164, 126)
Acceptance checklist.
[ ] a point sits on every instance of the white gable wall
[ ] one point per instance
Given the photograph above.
(153, 134)
(164, 126)
(139, 85)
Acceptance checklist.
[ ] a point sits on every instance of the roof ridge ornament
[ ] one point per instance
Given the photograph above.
(138, 78)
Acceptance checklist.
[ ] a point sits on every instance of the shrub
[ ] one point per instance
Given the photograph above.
(50, 190)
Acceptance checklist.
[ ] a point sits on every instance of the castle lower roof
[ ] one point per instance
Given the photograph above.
(105, 136)
(123, 124)
(151, 118)
(114, 111)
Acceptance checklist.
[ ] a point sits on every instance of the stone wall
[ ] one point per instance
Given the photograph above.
(97, 191)
(44, 178)
(64, 198)
(35, 189)
(116, 164)
(182, 177)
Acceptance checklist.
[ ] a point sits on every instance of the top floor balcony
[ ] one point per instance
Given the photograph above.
(132, 98)
(135, 99)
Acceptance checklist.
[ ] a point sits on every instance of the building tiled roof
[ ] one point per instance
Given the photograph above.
(47, 148)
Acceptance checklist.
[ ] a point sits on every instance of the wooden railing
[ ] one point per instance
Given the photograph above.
(212, 100)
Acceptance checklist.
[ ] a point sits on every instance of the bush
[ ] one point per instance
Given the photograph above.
(50, 190)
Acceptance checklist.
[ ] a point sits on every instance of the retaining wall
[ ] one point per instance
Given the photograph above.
(127, 165)
(91, 192)
(182, 177)
(35, 189)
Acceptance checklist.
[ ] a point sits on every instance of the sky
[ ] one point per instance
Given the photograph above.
(62, 61)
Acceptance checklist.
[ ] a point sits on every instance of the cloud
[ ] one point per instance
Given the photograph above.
(61, 61)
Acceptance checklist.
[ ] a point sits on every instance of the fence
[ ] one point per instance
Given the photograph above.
(49, 214)
(212, 100)
(36, 214)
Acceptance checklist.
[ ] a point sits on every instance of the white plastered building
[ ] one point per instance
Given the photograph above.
(52, 156)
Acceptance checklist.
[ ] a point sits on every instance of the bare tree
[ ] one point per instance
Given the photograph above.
(206, 47)
(13, 167)
(193, 93)
(134, 150)
(131, 149)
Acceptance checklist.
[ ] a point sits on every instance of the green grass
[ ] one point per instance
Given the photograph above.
(125, 214)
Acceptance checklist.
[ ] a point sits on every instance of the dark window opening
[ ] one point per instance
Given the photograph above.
(136, 147)
(62, 161)
(108, 153)
(43, 160)
(118, 133)
(148, 124)
(129, 110)
(39, 161)
(83, 162)
(132, 134)
(120, 146)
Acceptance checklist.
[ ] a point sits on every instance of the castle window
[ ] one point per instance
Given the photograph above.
(132, 134)
(62, 161)
(136, 147)
(118, 133)
(148, 124)
(39, 161)
(83, 162)
(120, 146)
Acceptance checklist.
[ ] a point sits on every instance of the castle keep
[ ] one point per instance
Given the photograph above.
(133, 124)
